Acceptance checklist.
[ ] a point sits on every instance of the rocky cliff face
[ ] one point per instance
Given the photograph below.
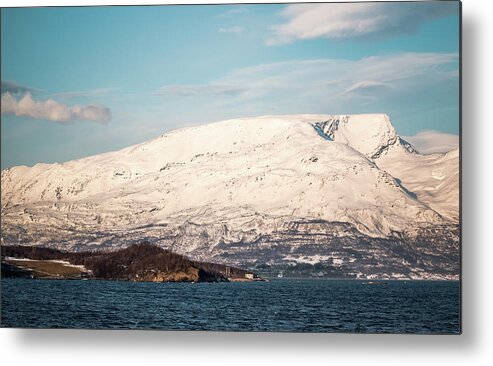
(189, 275)
(343, 192)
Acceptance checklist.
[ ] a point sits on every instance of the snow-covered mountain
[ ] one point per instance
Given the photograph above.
(345, 192)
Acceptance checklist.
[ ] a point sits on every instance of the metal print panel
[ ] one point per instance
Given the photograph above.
(262, 167)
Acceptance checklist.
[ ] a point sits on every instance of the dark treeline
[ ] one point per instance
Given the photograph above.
(139, 260)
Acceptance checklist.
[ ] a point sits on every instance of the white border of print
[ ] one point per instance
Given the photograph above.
(77, 347)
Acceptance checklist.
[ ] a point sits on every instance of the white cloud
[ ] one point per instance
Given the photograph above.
(367, 86)
(234, 30)
(199, 90)
(51, 110)
(356, 20)
(428, 142)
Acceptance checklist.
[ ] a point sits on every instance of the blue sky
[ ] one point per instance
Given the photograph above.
(81, 81)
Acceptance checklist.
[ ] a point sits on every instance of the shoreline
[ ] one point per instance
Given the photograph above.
(237, 280)
(146, 262)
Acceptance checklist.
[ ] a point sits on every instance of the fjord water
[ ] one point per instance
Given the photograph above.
(300, 305)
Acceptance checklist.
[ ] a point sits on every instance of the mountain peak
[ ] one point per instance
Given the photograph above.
(370, 134)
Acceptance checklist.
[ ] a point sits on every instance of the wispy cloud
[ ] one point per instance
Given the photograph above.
(51, 110)
(331, 80)
(428, 142)
(200, 90)
(324, 86)
(367, 86)
(356, 20)
(241, 9)
(85, 93)
(14, 88)
(234, 30)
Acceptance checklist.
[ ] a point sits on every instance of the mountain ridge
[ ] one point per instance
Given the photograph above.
(203, 190)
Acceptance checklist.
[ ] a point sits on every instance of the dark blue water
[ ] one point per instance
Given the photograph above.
(282, 305)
